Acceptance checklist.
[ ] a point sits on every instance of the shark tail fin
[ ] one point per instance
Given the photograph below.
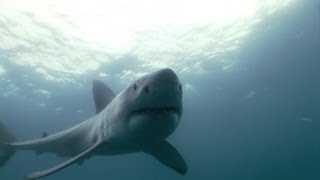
(6, 151)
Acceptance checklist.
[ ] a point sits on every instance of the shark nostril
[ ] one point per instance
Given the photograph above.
(180, 88)
(146, 89)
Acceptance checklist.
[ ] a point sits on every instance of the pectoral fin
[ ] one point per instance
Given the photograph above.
(40, 174)
(169, 156)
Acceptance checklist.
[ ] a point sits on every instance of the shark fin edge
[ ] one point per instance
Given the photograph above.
(169, 156)
(102, 95)
(6, 151)
(47, 172)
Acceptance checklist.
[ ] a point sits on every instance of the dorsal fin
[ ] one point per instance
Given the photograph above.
(102, 95)
(44, 173)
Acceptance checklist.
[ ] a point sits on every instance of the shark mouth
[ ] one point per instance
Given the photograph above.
(162, 110)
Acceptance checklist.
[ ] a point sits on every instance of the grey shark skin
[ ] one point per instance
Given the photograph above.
(138, 119)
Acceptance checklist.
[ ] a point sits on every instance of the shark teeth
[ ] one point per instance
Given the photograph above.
(157, 110)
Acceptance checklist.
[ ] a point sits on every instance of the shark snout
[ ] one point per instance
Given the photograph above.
(164, 82)
(167, 76)
(162, 90)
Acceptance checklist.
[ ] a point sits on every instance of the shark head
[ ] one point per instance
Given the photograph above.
(153, 106)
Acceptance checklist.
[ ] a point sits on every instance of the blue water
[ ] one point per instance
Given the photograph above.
(257, 119)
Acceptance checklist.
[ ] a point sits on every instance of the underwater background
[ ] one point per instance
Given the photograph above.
(250, 72)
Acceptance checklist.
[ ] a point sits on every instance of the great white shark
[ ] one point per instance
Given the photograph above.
(138, 119)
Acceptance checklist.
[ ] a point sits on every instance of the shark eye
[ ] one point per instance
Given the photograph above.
(135, 86)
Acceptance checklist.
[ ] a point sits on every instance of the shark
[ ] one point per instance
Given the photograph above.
(138, 119)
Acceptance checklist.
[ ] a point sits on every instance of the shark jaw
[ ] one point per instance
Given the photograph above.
(153, 124)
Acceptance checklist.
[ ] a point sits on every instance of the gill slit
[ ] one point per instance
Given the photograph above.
(104, 126)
